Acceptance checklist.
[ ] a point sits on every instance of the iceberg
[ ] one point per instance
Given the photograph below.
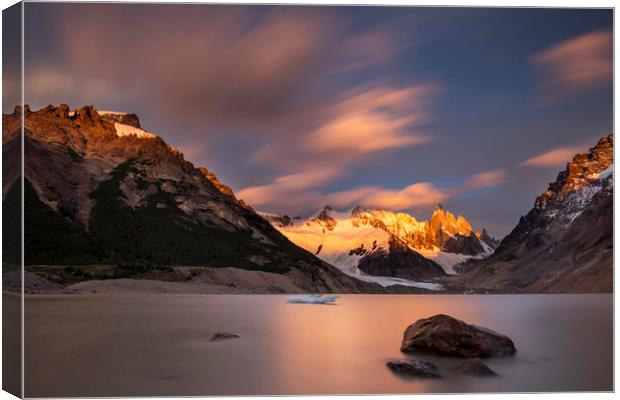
(311, 299)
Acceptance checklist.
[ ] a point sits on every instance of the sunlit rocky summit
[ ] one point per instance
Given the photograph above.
(377, 245)
(565, 243)
(101, 190)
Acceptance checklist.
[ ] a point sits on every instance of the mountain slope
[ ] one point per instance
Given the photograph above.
(565, 243)
(100, 189)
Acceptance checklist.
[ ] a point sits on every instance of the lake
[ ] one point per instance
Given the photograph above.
(158, 345)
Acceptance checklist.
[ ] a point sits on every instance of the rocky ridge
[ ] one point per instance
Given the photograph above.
(565, 243)
(100, 189)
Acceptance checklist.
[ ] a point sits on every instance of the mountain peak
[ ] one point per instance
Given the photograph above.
(584, 169)
(325, 219)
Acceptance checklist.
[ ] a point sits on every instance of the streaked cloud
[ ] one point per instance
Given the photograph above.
(208, 66)
(288, 189)
(287, 193)
(371, 120)
(485, 179)
(411, 196)
(556, 157)
(362, 121)
(575, 66)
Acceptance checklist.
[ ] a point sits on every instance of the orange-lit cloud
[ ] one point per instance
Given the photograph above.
(575, 66)
(375, 119)
(485, 179)
(361, 122)
(415, 195)
(556, 157)
(286, 193)
(289, 189)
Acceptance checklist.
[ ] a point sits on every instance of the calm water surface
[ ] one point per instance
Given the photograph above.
(97, 345)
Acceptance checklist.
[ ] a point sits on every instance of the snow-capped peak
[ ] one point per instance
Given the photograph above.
(343, 238)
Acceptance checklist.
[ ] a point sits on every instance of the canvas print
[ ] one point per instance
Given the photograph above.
(204, 200)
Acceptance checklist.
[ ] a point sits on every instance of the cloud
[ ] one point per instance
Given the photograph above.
(291, 193)
(411, 196)
(485, 179)
(371, 48)
(575, 66)
(362, 121)
(556, 157)
(288, 189)
(366, 121)
(204, 65)
(212, 65)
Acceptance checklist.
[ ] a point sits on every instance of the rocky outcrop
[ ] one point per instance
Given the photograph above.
(414, 369)
(324, 219)
(279, 221)
(399, 261)
(216, 182)
(488, 239)
(461, 244)
(565, 243)
(122, 118)
(447, 336)
(581, 172)
(218, 336)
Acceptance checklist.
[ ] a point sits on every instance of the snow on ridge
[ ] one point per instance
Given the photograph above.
(606, 172)
(128, 130)
(101, 112)
(446, 260)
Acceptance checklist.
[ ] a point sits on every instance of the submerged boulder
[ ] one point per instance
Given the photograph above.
(475, 367)
(414, 368)
(447, 336)
(222, 336)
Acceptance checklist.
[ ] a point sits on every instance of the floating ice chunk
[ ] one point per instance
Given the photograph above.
(311, 299)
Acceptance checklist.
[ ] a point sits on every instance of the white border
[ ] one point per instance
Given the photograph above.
(461, 3)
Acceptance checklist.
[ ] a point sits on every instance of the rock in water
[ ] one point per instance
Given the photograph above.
(222, 336)
(414, 368)
(476, 367)
(447, 336)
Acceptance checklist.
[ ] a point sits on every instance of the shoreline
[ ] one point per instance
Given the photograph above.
(209, 281)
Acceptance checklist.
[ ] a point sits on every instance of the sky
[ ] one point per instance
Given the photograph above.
(297, 107)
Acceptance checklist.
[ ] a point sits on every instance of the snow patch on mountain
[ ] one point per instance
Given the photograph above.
(128, 130)
(447, 260)
(336, 238)
(603, 174)
(344, 238)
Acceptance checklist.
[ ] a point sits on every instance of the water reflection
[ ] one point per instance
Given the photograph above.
(158, 345)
